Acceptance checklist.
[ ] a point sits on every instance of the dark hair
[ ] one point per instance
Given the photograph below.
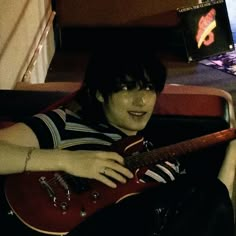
(108, 70)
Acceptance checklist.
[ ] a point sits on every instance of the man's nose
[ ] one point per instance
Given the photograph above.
(139, 98)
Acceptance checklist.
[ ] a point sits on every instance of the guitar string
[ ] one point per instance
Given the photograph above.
(164, 154)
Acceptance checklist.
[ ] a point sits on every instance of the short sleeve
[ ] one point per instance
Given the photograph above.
(48, 127)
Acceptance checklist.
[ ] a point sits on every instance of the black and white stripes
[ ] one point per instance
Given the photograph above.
(63, 129)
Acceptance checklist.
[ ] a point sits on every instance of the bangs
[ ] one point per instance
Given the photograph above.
(140, 80)
(108, 72)
(138, 73)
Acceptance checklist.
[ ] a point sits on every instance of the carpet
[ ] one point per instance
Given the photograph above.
(225, 62)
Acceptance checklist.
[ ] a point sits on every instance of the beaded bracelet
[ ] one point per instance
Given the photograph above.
(28, 157)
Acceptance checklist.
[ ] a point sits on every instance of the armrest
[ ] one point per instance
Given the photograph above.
(209, 106)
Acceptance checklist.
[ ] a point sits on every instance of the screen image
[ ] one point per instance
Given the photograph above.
(206, 29)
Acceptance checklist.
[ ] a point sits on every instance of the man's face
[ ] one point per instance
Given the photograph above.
(130, 110)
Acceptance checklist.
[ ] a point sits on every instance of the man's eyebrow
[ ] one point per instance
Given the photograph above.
(129, 79)
(146, 76)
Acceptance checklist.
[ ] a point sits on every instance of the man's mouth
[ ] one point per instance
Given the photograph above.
(137, 113)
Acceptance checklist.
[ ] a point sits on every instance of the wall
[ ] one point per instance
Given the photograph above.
(116, 12)
(22, 24)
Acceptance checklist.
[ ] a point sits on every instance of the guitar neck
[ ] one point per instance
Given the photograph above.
(172, 152)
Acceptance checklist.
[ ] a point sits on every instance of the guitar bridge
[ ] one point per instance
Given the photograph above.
(45, 185)
(57, 190)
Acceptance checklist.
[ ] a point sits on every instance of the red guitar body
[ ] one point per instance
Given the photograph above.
(44, 202)
(32, 205)
(31, 202)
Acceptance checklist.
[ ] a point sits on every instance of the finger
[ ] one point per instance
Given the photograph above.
(119, 169)
(102, 178)
(111, 156)
(115, 175)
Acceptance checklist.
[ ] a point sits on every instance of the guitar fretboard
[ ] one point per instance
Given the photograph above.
(172, 152)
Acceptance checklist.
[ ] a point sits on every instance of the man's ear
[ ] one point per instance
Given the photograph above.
(99, 97)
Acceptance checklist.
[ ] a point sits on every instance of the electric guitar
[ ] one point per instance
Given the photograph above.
(55, 202)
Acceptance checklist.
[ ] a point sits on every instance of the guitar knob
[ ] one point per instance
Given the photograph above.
(64, 206)
(95, 196)
(83, 213)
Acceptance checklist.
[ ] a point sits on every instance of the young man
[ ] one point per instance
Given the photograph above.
(116, 101)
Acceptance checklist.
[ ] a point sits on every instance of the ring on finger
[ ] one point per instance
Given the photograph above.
(104, 170)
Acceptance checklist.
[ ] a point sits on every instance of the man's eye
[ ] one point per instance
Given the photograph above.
(124, 87)
(149, 87)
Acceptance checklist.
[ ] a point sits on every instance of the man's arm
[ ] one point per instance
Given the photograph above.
(17, 144)
(19, 134)
(19, 151)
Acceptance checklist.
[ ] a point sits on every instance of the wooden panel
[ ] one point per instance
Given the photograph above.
(116, 12)
(21, 25)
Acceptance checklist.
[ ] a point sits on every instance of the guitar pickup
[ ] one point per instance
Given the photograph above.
(64, 185)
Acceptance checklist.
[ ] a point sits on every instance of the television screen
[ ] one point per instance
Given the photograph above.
(206, 29)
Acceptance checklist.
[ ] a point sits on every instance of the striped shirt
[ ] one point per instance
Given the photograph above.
(63, 129)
